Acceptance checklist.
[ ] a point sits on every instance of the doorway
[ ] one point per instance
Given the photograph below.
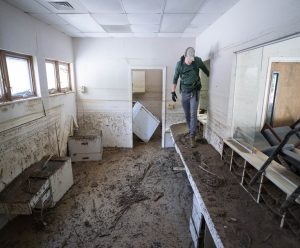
(283, 97)
(148, 84)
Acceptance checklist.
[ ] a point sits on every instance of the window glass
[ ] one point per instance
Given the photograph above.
(64, 76)
(19, 77)
(51, 76)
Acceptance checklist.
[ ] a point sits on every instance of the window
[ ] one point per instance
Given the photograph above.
(16, 76)
(58, 76)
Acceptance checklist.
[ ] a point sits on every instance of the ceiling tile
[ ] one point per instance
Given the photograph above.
(77, 6)
(103, 6)
(191, 30)
(143, 6)
(217, 6)
(28, 6)
(175, 23)
(204, 20)
(111, 19)
(84, 22)
(145, 28)
(188, 35)
(66, 28)
(180, 6)
(49, 18)
(144, 18)
(117, 28)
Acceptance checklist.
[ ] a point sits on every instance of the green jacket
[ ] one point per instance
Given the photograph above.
(189, 74)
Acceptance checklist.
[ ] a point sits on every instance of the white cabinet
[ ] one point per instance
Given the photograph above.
(144, 122)
(85, 148)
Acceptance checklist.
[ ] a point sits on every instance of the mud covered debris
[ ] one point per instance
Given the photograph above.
(132, 198)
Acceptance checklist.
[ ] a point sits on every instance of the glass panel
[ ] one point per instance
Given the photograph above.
(64, 76)
(51, 77)
(246, 97)
(19, 77)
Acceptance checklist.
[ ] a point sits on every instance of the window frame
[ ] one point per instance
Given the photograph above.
(5, 82)
(57, 77)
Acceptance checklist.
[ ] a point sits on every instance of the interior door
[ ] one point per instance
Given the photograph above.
(286, 105)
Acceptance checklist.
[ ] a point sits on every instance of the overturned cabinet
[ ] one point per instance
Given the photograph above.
(41, 185)
(144, 123)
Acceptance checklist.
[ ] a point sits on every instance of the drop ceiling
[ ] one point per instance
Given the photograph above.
(126, 18)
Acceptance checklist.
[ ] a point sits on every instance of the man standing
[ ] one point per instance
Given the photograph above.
(188, 70)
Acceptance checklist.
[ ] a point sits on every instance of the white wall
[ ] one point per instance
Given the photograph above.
(103, 65)
(29, 141)
(248, 23)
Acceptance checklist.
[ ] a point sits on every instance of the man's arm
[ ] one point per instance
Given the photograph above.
(173, 87)
(175, 78)
(203, 67)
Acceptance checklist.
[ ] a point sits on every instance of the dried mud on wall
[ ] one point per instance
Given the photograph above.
(115, 127)
(22, 146)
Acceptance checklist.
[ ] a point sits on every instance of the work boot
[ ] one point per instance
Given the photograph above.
(192, 142)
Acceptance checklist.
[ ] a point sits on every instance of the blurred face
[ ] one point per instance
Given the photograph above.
(188, 60)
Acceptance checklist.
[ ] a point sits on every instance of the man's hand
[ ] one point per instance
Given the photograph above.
(174, 96)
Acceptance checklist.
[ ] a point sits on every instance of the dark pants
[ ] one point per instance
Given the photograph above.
(189, 103)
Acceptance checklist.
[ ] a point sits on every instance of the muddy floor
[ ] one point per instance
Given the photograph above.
(132, 198)
(237, 218)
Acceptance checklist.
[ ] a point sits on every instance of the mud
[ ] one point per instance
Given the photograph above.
(238, 219)
(132, 198)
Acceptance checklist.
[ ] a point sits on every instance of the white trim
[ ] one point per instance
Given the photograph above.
(164, 81)
(268, 82)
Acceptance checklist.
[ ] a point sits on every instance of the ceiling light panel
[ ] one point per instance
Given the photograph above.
(29, 6)
(144, 18)
(51, 19)
(217, 6)
(111, 19)
(180, 6)
(77, 6)
(175, 23)
(103, 6)
(145, 28)
(143, 6)
(117, 28)
(84, 22)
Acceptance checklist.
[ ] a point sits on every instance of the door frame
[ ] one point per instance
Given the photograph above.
(163, 107)
(268, 83)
